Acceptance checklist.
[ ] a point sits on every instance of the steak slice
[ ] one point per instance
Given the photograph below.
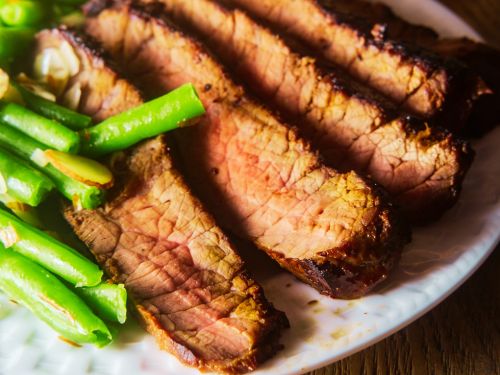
(421, 167)
(185, 278)
(420, 82)
(94, 88)
(481, 58)
(334, 231)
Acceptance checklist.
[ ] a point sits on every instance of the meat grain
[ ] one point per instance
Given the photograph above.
(333, 230)
(185, 278)
(419, 81)
(422, 167)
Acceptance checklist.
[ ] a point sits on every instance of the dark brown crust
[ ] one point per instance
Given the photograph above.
(457, 86)
(384, 235)
(428, 205)
(266, 345)
(463, 86)
(483, 59)
(274, 321)
(342, 279)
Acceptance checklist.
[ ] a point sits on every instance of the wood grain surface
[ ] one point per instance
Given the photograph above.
(462, 335)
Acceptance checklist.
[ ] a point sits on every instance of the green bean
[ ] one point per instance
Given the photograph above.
(22, 182)
(53, 111)
(14, 42)
(157, 116)
(50, 300)
(48, 132)
(26, 213)
(25, 147)
(109, 301)
(23, 13)
(55, 256)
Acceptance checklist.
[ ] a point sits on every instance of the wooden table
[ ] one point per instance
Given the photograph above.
(462, 335)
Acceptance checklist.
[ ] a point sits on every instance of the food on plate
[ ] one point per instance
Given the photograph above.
(483, 59)
(425, 84)
(14, 41)
(157, 116)
(182, 274)
(20, 20)
(108, 300)
(23, 13)
(50, 133)
(143, 202)
(422, 167)
(45, 250)
(50, 300)
(54, 111)
(80, 79)
(38, 150)
(82, 169)
(30, 150)
(22, 182)
(335, 231)
(4, 83)
(184, 277)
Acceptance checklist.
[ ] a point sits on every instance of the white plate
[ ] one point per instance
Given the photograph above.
(440, 258)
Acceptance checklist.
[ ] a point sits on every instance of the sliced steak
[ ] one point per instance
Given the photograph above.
(421, 82)
(93, 87)
(391, 26)
(334, 231)
(483, 59)
(185, 278)
(421, 167)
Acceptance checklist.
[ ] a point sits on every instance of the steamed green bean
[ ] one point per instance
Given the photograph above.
(50, 300)
(152, 118)
(22, 182)
(14, 42)
(26, 147)
(55, 256)
(23, 13)
(109, 301)
(48, 132)
(54, 111)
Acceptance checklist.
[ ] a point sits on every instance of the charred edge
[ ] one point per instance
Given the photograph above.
(339, 278)
(462, 85)
(395, 238)
(87, 45)
(336, 77)
(266, 344)
(425, 59)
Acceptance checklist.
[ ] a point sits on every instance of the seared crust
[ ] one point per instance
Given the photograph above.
(254, 172)
(422, 167)
(186, 255)
(423, 83)
(103, 91)
(481, 58)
